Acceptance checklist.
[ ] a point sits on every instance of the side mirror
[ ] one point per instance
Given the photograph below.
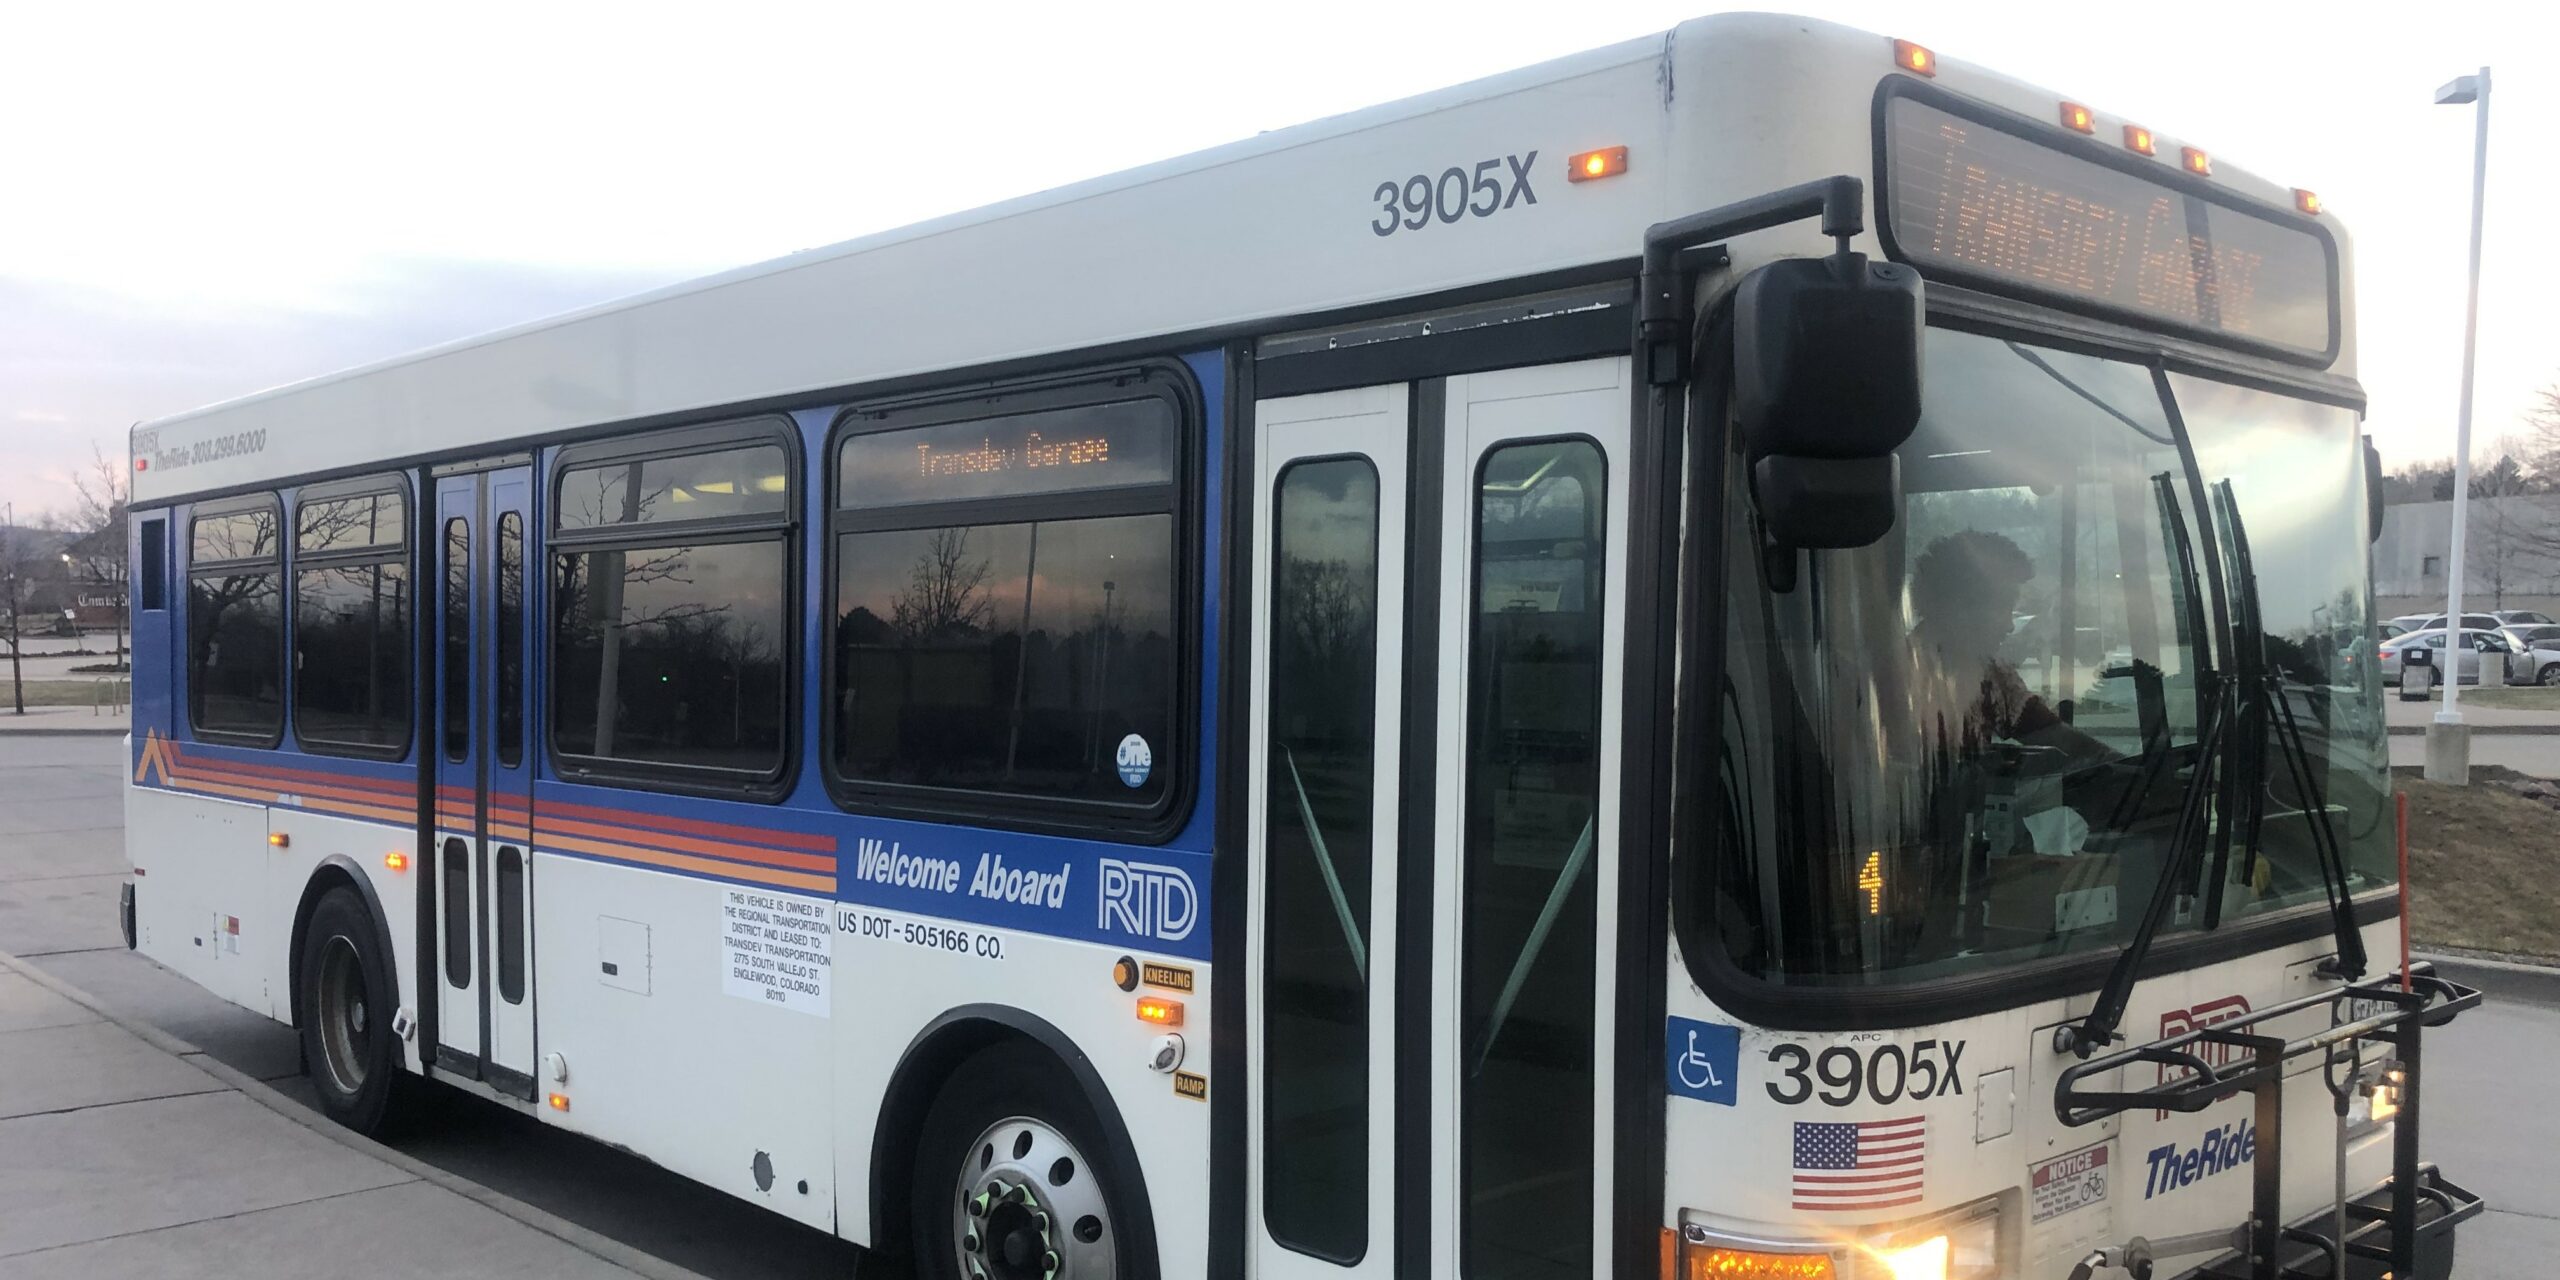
(2372, 491)
(1826, 386)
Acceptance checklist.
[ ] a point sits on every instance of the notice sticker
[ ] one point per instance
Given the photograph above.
(2070, 1182)
(773, 949)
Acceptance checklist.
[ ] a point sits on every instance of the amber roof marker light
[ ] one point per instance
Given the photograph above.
(2307, 201)
(2196, 161)
(1591, 166)
(2079, 119)
(1915, 58)
(2139, 141)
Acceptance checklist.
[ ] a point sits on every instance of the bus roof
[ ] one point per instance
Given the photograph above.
(1258, 233)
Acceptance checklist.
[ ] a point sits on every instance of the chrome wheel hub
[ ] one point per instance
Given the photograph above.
(1028, 1208)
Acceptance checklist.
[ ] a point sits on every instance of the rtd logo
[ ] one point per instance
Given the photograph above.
(1148, 900)
(2212, 1013)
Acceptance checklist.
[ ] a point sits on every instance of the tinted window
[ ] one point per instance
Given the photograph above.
(240, 535)
(235, 653)
(748, 481)
(510, 639)
(1009, 657)
(362, 522)
(457, 912)
(672, 654)
(511, 924)
(351, 656)
(1529, 898)
(155, 564)
(1321, 822)
(235, 627)
(1035, 653)
(457, 639)
(1079, 447)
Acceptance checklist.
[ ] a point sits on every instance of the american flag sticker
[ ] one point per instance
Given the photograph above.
(1863, 1164)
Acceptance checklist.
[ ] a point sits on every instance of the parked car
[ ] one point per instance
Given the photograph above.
(2524, 634)
(2476, 642)
(2537, 654)
(2521, 617)
(2475, 621)
(2386, 630)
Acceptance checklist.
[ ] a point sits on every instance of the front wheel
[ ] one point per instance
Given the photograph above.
(347, 1042)
(1012, 1181)
(2548, 676)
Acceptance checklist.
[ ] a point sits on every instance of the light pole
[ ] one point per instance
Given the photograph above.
(9, 562)
(2449, 739)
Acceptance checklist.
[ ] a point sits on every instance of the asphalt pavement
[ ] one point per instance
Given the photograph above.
(62, 856)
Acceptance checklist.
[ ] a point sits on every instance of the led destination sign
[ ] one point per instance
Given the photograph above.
(1968, 199)
(1060, 450)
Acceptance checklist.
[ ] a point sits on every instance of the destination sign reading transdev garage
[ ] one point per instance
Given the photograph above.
(1970, 199)
(1076, 447)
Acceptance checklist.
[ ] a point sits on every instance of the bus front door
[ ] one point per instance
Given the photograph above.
(1436, 666)
(482, 800)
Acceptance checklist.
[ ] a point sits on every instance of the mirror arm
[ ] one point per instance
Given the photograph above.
(1662, 322)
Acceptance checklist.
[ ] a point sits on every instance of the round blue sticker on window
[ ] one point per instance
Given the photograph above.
(1136, 761)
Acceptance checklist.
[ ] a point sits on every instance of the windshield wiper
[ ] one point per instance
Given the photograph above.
(2275, 718)
(2186, 835)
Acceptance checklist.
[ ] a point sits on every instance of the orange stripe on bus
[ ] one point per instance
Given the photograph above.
(732, 870)
(548, 825)
(691, 826)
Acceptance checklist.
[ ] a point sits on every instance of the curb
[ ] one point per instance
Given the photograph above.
(2532, 983)
(2477, 730)
(602, 1247)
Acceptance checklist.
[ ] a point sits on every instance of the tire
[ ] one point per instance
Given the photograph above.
(2548, 676)
(1012, 1165)
(347, 1005)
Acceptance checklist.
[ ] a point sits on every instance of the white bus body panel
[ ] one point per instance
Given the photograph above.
(1277, 226)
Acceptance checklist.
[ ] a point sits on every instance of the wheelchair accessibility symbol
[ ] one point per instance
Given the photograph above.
(1702, 1058)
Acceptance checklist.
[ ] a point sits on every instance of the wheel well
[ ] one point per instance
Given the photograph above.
(939, 1049)
(335, 873)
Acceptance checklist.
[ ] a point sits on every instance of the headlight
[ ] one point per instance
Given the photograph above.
(1964, 1245)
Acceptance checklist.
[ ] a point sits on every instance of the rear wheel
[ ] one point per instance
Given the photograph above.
(347, 1042)
(1012, 1181)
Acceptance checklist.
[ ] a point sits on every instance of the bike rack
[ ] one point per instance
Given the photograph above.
(2393, 1221)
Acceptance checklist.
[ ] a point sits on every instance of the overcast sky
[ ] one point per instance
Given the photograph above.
(199, 201)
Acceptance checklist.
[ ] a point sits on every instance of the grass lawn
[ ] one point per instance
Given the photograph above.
(57, 693)
(2480, 864)
(2515, 697)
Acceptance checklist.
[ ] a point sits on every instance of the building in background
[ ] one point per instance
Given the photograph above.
(2514, 555)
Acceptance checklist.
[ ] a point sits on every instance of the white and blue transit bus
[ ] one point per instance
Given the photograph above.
(1746, 654)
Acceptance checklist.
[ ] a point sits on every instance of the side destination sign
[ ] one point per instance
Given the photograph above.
(1155, 898)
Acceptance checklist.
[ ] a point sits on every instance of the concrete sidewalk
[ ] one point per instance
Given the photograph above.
(127, 1153)
(2414, 717)
(79, 720)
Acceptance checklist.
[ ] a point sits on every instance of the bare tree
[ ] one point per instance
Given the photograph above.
(95, 553)
(946, 591)
(17, 563)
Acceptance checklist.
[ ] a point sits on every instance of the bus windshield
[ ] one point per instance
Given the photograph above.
(1967, 745)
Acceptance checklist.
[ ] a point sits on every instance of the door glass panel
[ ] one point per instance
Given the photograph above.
(457, 911)
(1323, 700)
(1529, 900)
(457, 639)
(510, 640)
(511, 924)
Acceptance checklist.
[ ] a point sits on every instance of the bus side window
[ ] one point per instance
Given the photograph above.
(1007, 614)
(235, 623)
(155, 564)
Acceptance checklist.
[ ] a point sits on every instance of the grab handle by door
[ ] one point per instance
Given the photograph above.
(1324, 863)
(1572, 871)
